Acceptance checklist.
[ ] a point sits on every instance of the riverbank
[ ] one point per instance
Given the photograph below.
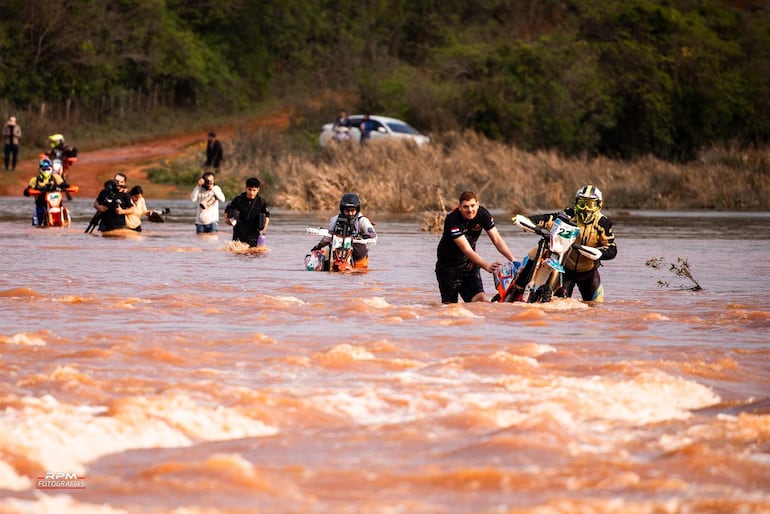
(398, 178)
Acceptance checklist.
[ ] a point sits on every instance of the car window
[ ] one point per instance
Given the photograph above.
(402, 128)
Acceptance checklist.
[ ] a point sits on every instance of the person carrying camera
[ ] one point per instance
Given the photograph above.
(114, 203)
(207, 195)
(248, 214)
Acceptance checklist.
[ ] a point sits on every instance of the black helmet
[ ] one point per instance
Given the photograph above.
(350, 201)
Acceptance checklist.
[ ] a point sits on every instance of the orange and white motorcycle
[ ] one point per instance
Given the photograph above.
(338, 254)
(55, 213)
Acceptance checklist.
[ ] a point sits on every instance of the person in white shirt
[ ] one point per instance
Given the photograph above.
(207, 195)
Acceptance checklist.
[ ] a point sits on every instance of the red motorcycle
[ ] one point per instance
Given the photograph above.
(55, 213)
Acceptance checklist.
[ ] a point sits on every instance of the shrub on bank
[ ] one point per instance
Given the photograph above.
(404, 178)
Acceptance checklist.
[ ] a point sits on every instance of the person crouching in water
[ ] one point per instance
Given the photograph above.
(362, 227)
(595, 231)
(248, 214)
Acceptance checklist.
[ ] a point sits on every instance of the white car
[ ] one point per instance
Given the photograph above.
(382, 128)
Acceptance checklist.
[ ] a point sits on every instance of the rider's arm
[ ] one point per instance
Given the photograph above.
(466, 248)
(366, 229)
(543, 220)
(325, 240)
(606, 239)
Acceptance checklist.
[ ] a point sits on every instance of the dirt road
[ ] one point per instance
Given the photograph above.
(93, 168)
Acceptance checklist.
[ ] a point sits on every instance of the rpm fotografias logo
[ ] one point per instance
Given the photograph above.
(60, 480)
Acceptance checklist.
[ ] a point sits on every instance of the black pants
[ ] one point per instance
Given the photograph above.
(11, 155)
(463, 282)
(589, 284)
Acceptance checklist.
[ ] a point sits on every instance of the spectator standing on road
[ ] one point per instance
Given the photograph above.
(342, 120)
(11, 137)
(214, 154)
(366, 128)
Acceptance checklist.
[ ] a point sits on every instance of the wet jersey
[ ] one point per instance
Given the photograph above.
(363, 228)
(449, 255)
(597, 234)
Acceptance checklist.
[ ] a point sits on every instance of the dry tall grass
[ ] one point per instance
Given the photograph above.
(404, 178)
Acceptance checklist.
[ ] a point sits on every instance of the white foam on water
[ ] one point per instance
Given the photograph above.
(456, 310)
(559, 305)
(11, 480)
(60, 436)
(649, 397)
(347, 350)
(22, 339)
(374, 406)
(594, 403)
(54, 504)
(376, 302)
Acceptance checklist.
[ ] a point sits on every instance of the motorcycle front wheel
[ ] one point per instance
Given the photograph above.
(542, 294)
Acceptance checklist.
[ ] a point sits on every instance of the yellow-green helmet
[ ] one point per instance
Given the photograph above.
(56, 139)
(588, 201)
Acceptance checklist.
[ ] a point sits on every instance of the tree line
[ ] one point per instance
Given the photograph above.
(583, 77)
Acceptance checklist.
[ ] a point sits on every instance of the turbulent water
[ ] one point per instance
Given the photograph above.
(165, 374)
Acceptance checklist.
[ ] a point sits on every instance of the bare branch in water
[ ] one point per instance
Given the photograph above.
(679, 269)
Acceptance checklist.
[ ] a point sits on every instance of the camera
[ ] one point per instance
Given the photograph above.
(207, 203)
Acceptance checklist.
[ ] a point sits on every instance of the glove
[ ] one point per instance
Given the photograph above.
(26, 192)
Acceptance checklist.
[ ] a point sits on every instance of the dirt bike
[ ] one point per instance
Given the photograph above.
(55, 213)
(338, 254)
(62, 166)
(342, 134)
(544, 275)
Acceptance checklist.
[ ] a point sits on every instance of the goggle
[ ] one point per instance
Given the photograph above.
(587, 203)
